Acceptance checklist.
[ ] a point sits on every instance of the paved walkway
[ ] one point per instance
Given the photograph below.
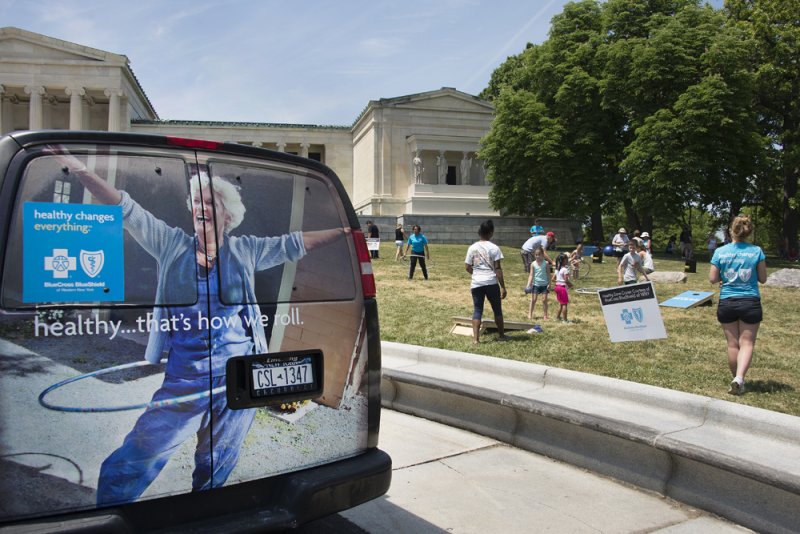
(451, 480)
(739, 462)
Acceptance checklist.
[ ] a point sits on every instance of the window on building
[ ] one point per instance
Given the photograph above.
(62, 192)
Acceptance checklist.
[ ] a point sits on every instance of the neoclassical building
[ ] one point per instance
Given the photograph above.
(413, 154)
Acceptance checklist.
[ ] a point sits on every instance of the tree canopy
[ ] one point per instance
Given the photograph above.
(651, 106)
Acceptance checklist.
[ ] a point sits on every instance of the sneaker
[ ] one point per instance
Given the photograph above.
(736, 388)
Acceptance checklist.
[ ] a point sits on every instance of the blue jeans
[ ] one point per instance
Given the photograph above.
(158, 433)
(492, 293)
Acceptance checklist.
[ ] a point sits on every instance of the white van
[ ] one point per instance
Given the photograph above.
(188, 337)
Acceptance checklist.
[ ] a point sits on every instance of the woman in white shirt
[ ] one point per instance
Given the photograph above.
(483, 263)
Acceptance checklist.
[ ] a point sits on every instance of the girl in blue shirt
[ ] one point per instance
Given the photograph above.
(739, 267)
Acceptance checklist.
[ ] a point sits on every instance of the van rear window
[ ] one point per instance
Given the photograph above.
(71, 246)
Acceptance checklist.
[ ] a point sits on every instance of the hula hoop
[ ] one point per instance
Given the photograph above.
(122, 408)
(589, 290)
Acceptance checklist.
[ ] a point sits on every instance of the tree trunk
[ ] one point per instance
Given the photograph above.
(631, 217)
(736, 209)
(790, 216)
(790, 178)
(647, 224)
(598, 236)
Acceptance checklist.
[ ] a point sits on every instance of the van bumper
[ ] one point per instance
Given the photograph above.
(277, 503)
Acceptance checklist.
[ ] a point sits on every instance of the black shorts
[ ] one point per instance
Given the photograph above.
(747, 310)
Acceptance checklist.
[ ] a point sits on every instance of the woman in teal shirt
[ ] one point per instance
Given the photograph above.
(418, 244)
(739, 267)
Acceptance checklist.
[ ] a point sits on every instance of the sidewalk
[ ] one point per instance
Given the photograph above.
(450, 480)
(736, 461)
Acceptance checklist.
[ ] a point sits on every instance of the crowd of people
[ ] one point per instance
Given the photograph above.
(737, 266)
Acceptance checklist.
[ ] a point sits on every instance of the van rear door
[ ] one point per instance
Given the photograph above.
(178, 317)
(85, 281)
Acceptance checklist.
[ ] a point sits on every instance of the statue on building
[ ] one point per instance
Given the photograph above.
(441, 166)
(466, 167)
(418, 169)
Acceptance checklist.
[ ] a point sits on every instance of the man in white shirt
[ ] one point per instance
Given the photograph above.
(532, 243)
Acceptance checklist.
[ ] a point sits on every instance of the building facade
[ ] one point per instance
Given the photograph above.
(402, 157)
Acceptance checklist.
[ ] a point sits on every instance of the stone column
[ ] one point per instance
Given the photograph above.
(281, 146)
(113, 109)
(304, 149)
(75, 107)
(35, 106)
(86, 111)
(126, 114)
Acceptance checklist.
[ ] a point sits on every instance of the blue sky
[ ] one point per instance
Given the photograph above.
(312, 62)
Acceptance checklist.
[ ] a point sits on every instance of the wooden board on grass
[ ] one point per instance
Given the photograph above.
(463, 326)
(689, 299)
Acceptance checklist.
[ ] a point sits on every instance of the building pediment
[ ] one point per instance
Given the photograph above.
(446, 98)
(23, 46)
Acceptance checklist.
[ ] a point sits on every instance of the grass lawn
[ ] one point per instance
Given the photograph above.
(691, 359)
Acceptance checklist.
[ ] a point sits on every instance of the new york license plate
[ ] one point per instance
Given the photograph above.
(280, 376)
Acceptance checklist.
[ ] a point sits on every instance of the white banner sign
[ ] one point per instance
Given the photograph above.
(632, 313)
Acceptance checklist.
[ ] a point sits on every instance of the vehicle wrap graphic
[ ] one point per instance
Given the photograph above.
(125, 400)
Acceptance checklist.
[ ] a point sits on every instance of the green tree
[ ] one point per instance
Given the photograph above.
(548, 147)
(659, 75)
(643, 104)
(702, 148)
(774, 26)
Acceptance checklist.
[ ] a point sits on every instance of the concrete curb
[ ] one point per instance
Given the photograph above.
(737, 461)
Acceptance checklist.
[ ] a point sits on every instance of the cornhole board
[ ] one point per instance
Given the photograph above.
(373, 243)
(689, 299)
(462, 326)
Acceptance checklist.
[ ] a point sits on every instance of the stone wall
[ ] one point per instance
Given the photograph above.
(508, 231)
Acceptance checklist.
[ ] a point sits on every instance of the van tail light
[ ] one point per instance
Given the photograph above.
(193, 143)
(365, 264)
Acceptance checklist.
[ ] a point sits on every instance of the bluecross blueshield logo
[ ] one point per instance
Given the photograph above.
(628, 316)
(92, 262)
(60, 263)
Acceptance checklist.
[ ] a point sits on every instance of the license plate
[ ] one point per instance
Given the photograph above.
(279, 377)
(271, 379)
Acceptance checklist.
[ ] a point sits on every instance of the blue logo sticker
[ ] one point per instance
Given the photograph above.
(72, 253)
(628, 316)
